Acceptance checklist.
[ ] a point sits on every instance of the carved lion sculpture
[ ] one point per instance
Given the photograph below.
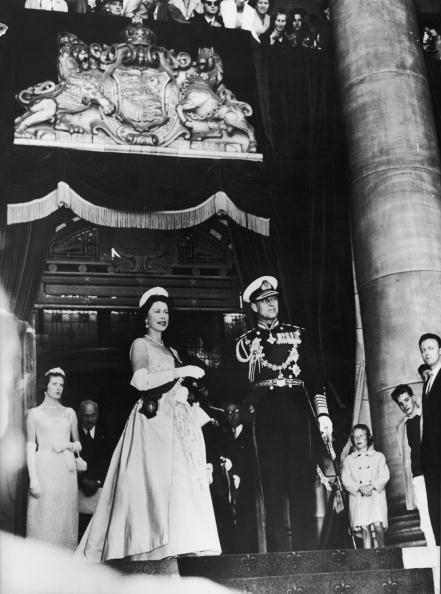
(207, 107)
(65, 104)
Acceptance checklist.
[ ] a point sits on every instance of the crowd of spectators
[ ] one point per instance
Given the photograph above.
(271, 25)
(432, 42)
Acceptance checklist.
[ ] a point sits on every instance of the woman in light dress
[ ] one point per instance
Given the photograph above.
(156, 500)
(262, 20)
(365, 475)
(52, 439)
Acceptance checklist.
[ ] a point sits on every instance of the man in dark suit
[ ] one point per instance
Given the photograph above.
(430, 348)
(210, 17)
(96, 451)
(237, 446)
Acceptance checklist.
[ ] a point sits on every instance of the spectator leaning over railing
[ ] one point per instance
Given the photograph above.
(276, 35)
(263, 19)
(297, 26)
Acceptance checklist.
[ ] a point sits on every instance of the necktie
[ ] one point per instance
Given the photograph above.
(429, 382)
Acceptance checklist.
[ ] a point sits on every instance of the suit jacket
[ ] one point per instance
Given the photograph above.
(240, 450)
(431, 441)
(199, 19)
(97, 453)
(406, 463)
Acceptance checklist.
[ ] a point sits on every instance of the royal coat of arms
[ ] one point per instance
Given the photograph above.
(133, 95)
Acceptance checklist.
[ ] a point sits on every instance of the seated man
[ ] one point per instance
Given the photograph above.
(96, 451)
(210, 16)
(409, 447)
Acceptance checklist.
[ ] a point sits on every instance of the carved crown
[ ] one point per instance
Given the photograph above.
(136, 34)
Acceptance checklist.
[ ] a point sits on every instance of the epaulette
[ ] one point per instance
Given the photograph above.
(246, 334)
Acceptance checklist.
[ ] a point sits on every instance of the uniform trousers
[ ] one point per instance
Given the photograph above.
(283, 432)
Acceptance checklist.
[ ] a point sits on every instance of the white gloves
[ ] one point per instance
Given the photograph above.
(227, 463)
(189, 371)
(70, 446)
(236, 481)
(34, 484)
(325, 425)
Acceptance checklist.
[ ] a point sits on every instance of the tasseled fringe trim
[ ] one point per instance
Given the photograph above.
(64, 196)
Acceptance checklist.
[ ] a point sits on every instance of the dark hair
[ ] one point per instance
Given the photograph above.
(431, 336)
(145, 308)
(253, 4)
(401, 389)
(47, 378)
(278, 10)
(364, 428)
(297, 10)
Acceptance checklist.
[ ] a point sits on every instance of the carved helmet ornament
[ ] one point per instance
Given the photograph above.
(135, 96)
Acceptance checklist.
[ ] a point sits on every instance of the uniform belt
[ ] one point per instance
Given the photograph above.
(278, 383)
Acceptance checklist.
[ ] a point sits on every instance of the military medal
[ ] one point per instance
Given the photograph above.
(271, 339)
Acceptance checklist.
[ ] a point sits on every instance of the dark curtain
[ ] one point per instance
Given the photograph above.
(22, 258)
(22, 247)
(309, 209)
(434, 77)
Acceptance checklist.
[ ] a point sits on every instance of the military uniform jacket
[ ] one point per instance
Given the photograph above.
(277, 357)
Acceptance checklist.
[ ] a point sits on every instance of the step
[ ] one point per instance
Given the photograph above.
(269, 564)
(404, 530)
(386, 581)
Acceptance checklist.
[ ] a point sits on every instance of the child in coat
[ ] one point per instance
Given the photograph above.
(365, 475)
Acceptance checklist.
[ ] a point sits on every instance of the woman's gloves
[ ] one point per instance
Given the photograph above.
(189, 371)
(325, 425)
(70, 446)
(34, 484)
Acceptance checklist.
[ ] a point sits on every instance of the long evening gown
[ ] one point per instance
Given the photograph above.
(156, 500)
(53, 517)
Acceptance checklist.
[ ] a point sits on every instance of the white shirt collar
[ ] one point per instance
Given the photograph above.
(91, 431)
(238, 430)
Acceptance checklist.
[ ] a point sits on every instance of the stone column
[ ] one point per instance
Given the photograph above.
(396, 199)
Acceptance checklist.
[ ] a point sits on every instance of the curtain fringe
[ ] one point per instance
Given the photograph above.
(217, 204)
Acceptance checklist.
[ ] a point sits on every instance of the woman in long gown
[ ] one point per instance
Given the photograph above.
(52, 439)
(156, 500)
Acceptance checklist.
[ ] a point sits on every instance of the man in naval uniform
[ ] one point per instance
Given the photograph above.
(286, 422)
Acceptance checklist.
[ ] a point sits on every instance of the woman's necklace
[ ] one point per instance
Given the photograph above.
(160, 342)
